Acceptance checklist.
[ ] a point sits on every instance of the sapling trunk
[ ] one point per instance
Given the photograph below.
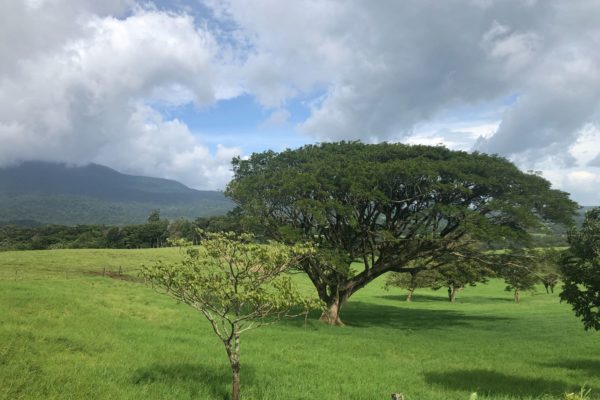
(235, 386)
(233, 352)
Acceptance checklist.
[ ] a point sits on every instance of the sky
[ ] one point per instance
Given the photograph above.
(176, 88)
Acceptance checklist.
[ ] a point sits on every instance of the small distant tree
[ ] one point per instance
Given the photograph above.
(183, 229)
(113, 238)
(519, 278)
(237, 284)
(413, 279)
(528, 267)
(548, 268)
(550, 280)
(155, 232)
(154, 216)
(460, 273)
(580, 266)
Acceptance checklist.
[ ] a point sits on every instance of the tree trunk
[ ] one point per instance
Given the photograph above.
(452, 292)
(235, 384)
(517, 296)
(233, 352)
(409, 295)
(331, 314)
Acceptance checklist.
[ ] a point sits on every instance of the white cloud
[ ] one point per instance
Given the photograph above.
(388, 68)
(278, 118)
(583, 182)
(384, 67)
(453, 135)
(581, 177)
(158, 147)
(85, 81)
(91, 98)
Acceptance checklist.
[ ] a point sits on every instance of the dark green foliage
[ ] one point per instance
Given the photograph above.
(387, 205)
(52, 237)
(580, 216)
(523, 269)
(184, 229)
(580, 266)
(229, 222)
(519, 277)
(548, 267)
(412, 280)
(43, 209)
(154, 233)
(154, 216)
(455, 275)
(59, 194)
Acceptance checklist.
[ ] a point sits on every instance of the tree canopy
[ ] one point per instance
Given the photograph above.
(374, 208)
(581, 271)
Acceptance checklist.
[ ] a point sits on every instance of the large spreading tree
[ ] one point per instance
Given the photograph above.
(374, 208)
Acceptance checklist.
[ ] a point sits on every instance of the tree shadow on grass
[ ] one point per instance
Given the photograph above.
(361, 314)
(217, 381)
(365, 315)
(426, 298)
(587, 366)
(497, 384)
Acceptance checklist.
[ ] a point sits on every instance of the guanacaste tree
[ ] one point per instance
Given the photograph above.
(237, 284)
(580, 266)
(374, 208)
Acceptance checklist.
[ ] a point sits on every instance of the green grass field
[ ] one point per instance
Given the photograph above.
(67, 332)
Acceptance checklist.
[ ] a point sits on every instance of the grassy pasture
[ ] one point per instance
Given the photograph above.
(67, 332)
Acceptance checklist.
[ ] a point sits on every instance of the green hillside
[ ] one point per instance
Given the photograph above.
(94, 194)
(67, 331)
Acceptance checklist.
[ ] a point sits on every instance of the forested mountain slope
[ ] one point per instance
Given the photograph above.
(95, 194)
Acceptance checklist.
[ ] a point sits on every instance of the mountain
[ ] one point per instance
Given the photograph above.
(95, 194)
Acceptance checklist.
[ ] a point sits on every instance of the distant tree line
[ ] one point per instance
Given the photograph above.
(153, 233)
